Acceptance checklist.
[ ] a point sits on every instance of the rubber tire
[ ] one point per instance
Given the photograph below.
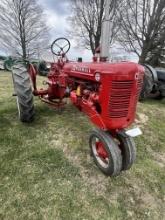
(161, 74)
(23, 90)
(112, 148)
(148, 84)
(128, 151)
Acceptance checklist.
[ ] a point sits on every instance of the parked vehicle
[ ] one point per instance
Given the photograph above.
(154, 83)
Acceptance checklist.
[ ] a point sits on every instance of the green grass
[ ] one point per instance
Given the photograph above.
(46, 171)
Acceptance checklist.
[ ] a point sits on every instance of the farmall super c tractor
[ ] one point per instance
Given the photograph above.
(106, 92)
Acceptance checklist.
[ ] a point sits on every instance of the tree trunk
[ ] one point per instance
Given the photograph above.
(143, 56)
(24, 55)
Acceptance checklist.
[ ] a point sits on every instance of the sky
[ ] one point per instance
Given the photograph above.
(57, 12)
(56, 16)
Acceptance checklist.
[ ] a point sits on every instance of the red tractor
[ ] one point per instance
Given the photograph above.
(106, 92)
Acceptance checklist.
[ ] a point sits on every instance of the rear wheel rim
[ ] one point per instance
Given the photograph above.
(100, 152)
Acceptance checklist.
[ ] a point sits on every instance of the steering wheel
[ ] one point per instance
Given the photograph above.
(60, 46)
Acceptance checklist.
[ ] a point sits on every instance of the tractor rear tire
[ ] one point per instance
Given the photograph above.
(128, 150)
(111, 165)
(148, 84)
(23, 90)
(162, 89)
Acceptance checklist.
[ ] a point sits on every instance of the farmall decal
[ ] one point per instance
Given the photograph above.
(81, 69)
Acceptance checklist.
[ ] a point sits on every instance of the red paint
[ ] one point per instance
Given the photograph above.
(109, 103)
(102, 153)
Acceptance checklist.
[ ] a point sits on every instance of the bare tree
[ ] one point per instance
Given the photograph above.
(86, 21)
(142, 28)
(22, 26)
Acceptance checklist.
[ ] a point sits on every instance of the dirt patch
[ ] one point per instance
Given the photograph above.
(141, 119)
(148, 201)
(96, 180)
(158, 157)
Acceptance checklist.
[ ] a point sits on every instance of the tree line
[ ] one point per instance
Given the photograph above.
(137, 25)
(23, 29)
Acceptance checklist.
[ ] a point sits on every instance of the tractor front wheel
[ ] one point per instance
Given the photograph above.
(23, 90)
(128, 150)
(106, 153)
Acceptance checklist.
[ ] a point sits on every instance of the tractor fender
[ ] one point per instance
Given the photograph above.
(153, 72)
(161, 74)
(150, 82)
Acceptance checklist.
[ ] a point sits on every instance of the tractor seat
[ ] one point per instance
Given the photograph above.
(161, 74)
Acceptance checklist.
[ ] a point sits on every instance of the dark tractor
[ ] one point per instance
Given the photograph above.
(154, 83)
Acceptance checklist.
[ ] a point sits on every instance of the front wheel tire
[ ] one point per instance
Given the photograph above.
(106, 153)
(128, 150)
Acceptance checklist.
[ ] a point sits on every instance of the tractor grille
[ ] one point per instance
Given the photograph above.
(120, 98)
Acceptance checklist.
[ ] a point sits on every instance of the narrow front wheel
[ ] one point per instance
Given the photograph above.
(106, 153)
(128, 150)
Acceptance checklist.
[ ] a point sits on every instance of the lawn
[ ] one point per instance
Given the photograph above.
(46, 171)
